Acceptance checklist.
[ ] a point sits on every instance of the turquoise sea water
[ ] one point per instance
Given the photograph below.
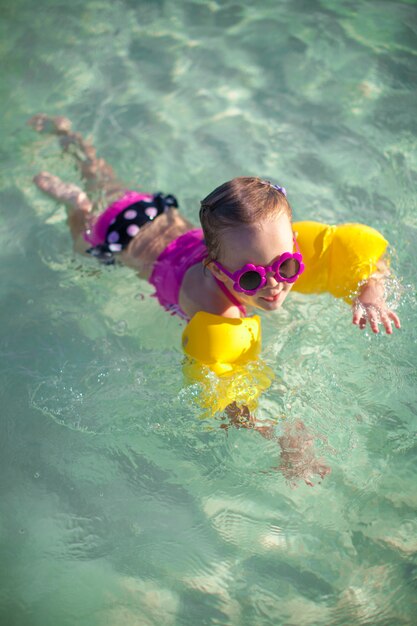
(119, 505)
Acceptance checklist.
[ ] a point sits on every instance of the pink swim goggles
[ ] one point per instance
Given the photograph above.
(251, 278)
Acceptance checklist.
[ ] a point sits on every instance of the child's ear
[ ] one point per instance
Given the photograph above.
(217, 273)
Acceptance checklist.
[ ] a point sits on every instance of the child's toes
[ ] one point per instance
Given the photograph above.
(43, 123)
(37, 122)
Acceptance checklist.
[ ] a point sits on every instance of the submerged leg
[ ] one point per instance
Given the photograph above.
(68, 193)
(76, 201)
(98, 175)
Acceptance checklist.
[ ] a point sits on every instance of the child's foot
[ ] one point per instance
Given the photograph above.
(43, 123)
(71, 195)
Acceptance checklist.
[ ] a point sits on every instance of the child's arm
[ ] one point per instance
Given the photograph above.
(370, 304)
(298, 459)
(346, 260)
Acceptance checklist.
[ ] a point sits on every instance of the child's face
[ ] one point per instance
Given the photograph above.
(261, 244)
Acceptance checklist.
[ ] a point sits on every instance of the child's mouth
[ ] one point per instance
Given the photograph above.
(272, 298)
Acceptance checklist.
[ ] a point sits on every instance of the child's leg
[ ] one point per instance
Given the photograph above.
(67, 193)
(100, 180)
(98, 175)
(77, 204)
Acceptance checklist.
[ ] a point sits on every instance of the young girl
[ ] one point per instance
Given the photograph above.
(245, 256)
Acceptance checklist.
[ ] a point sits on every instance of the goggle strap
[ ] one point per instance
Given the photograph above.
(230, 296)
(297, 249)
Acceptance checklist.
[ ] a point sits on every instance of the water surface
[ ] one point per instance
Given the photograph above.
(119, 504)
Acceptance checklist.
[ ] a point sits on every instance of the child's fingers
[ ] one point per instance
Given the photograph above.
(386, 317)
(385, 320)
(373, 318)
(395, 319)
(357, 314)
(363, 314)
(359, 318)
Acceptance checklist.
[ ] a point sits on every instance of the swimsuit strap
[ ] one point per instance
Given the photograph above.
(230, 296)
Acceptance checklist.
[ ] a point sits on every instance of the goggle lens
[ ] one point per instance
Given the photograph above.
(250, 280)
(289, 268)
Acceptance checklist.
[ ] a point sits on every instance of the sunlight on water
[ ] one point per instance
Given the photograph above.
(123, 501)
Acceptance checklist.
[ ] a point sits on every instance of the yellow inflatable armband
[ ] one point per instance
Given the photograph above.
(337, 258)
(229, 348)
(222, 342)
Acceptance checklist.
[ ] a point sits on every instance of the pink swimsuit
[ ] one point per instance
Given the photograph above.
(171, 267)
(122, 220)
(172, 264)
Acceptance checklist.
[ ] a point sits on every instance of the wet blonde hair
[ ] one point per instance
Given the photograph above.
(242, 200)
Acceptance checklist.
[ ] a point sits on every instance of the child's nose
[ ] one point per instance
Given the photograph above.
(270, 279)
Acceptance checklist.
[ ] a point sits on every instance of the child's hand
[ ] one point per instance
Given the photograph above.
(370, 306)
(298, 459)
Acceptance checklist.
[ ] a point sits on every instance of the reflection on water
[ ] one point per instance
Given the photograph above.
(122, 503)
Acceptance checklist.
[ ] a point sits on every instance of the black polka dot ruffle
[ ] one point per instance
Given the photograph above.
(127, 224)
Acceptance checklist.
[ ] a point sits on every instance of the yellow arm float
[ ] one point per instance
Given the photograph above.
(336, 258)
(230, 348)
(222, 342)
